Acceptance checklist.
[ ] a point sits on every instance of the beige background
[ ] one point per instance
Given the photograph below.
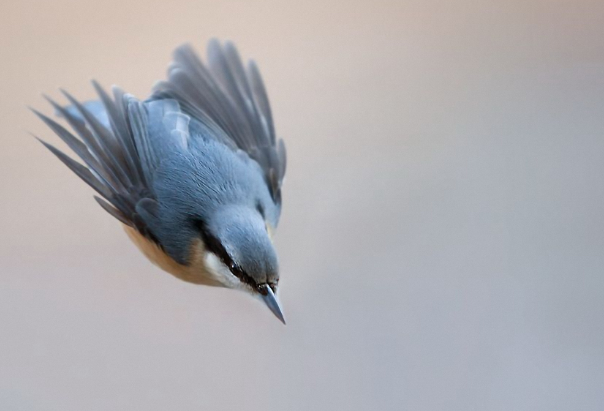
(442, 241)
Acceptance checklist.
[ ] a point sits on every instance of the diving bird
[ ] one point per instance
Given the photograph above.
(193, 173)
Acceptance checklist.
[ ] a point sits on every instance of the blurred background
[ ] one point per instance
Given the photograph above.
(442, 238)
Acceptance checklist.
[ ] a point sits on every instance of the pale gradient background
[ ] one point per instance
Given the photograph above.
(442, 241)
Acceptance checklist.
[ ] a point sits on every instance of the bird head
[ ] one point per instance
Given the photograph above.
(239, 253)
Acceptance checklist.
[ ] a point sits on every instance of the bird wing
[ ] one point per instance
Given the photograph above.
(231, 100)
(120, 145)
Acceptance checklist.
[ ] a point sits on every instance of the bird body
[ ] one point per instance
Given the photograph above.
(194, 172)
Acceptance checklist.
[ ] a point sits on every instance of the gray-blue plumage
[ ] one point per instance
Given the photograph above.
(199, 158)
(195, 185)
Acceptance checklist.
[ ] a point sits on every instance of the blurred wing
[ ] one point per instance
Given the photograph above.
(231, 100)
(120, 144)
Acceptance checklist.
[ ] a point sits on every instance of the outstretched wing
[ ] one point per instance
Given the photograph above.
(120, 144)
(230, 98)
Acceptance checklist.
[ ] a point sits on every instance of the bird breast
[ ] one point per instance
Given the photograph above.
(196, 271)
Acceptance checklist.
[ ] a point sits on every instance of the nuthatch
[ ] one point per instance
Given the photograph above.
(194, 172)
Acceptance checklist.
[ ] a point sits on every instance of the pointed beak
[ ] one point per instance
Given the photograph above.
(271, 302)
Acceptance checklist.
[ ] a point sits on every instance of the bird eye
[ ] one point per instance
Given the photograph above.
(237, 272)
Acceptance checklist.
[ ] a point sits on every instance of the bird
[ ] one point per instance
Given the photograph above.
(193, 173)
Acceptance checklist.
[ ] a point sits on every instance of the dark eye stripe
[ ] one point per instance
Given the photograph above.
(214, 245)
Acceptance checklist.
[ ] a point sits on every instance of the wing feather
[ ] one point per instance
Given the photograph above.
(121, 157)
(231, 101)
